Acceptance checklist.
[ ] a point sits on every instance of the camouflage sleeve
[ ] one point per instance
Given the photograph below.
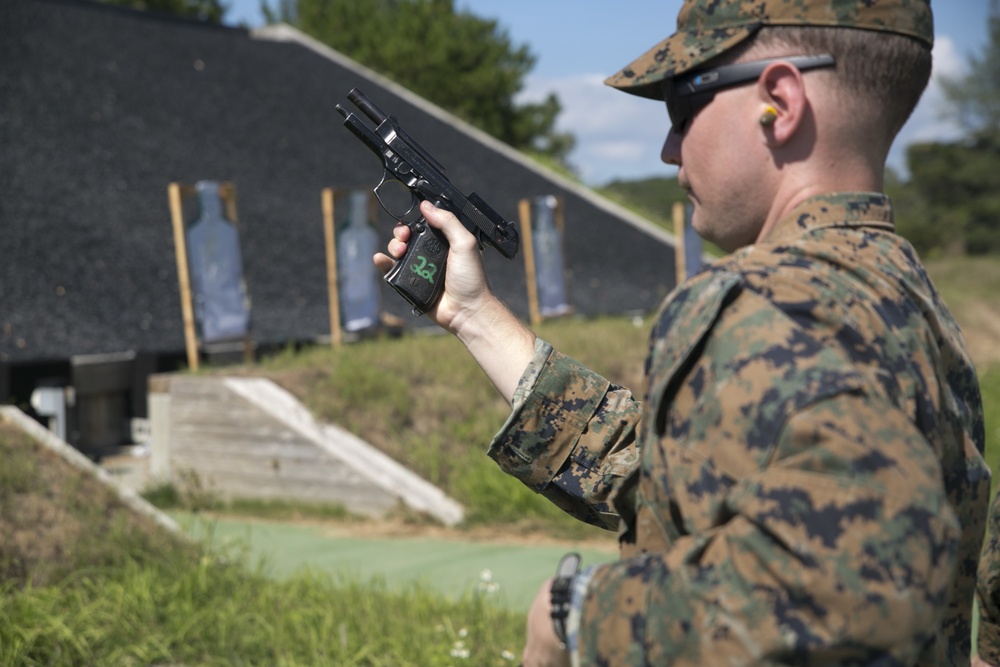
(988, 590)
(529, 378)
(571, 437)
(840, 551)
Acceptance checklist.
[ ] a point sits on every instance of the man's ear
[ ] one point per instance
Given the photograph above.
(784, 104)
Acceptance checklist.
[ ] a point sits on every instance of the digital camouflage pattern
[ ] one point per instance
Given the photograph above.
(988, 590)
(708, 28)
(803, 482)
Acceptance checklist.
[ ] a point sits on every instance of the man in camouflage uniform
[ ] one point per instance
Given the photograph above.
(988, 593)
(802, 482)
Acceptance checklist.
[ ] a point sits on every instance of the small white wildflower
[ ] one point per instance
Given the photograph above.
(459, 650)
(486, 582)
(463, 633)
(507, 655)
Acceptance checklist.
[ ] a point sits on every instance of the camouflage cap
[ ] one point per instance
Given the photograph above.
(707, 28)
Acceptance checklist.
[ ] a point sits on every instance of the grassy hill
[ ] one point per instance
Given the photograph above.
(650, 197)
(424, 401)
(55, 521)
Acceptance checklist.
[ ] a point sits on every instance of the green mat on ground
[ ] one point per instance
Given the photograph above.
(511, 572)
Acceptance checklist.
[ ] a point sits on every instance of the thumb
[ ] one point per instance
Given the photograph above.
(452, 228)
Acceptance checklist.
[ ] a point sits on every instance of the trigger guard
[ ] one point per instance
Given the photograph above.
(405, 216)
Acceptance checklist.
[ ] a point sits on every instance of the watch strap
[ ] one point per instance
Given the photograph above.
(561, 592)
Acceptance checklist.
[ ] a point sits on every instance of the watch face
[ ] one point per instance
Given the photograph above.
(568, 566)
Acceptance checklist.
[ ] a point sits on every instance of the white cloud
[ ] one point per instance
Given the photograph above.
(619, 150)
(618, 135)
(929, 121)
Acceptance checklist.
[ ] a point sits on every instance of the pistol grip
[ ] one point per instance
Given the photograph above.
(419, 275)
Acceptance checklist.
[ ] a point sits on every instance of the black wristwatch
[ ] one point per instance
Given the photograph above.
(562, 592)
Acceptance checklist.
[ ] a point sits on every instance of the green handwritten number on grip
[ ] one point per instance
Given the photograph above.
(419, 274)
(425, 270)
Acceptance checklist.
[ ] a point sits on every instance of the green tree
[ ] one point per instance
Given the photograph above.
(959, 185)
(912, 217)
(459, 61)
(975, 97)
(211, 11)
(953, 202)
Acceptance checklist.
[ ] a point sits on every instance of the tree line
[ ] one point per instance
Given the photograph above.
(949, 203)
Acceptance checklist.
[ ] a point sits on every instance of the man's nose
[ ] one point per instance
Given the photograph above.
(671, 153)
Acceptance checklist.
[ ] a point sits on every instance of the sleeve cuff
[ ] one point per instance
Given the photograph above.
(554, 404)
(529, 378)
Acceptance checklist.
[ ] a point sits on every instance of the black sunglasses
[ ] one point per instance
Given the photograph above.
(688, 94)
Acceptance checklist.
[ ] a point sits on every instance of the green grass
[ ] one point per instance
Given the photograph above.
(971, 288)
(989, 384)
(190, 496)
(85, 581)
(215, 611)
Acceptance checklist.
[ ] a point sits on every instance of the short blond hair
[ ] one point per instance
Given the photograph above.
(885, 72)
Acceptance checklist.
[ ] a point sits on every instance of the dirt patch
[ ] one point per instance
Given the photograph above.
(981, 326)
(391, 528)
(483, 535)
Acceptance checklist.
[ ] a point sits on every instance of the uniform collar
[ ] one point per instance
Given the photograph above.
(844, 209)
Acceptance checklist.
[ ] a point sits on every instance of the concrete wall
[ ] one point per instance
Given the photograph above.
(248, 438)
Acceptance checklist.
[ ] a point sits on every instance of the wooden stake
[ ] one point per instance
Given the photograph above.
(180, 246)
(524, 210)
(331, 266)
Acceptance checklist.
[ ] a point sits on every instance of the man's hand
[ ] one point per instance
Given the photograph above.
(497, 340)
(466, 288)
(543, 648)
(979, 662)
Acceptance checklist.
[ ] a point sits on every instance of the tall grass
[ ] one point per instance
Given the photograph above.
(989, 384)
(212, 611)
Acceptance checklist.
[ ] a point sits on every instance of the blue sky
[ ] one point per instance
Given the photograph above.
(577, 43)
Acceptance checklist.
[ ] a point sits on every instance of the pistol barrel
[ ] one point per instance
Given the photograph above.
(366, 106)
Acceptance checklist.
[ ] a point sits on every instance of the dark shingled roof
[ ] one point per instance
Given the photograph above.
(100, 108)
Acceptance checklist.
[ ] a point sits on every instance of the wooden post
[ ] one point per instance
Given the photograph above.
(227, 191)
(679, 251)
(180, 246)
(176, 193)
(331, 266)
(524, 210)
